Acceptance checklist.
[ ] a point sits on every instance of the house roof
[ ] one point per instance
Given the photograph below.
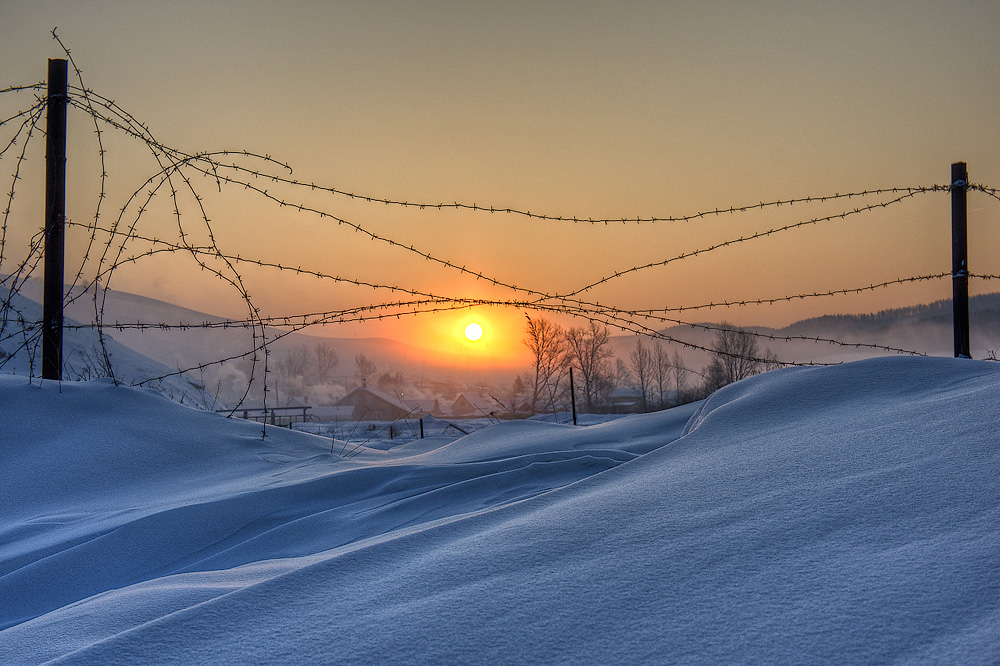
(334, 413)
(381, 395)
(481, 405)
(421, 405)
(626, 393)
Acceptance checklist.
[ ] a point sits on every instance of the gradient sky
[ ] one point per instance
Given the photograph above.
(587, 109)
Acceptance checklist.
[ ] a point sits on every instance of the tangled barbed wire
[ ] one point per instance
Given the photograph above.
(122, 240)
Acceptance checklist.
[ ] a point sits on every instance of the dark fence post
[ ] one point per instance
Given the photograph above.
(572, 393)
(960, 259)
(55, 218)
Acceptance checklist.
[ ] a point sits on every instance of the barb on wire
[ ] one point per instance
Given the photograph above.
(990, 191)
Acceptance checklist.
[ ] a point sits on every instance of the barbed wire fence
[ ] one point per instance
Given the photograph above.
(124, 238)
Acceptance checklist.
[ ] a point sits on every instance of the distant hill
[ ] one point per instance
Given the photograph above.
(927, 329)
(152, 352)
(984, 315)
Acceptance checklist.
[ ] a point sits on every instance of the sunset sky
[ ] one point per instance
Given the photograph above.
(574, 109)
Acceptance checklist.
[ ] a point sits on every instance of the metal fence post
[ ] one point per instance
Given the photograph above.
(55, 218)
(572, 393)
(960, 259)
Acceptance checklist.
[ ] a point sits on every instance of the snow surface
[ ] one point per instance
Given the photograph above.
(848, 514)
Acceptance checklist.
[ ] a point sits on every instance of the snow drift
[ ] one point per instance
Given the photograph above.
(848, 514)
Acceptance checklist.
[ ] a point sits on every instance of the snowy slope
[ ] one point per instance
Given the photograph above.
(82, 356)
(827, 515)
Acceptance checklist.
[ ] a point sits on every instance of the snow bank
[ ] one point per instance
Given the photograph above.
(847, 514)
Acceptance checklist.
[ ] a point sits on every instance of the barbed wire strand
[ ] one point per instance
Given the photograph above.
(544, 296)
(742, 239)
(216, 165)
(794, 297)
(570, 218)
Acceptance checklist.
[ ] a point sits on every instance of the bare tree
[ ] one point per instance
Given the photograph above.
(391, 383)
(662, 371)
(680, 373)
(623, 376)
(588, 348)
(770, 361)
(547, 343)
(294, 362)
(326, 361)
(364, 368)
(736, 356)
(641, 364)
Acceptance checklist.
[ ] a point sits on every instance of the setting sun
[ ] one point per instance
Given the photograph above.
(473, 331)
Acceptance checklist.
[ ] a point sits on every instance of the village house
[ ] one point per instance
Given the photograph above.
(625, 400)
(370, 404)
(421, 407)
(473, 405)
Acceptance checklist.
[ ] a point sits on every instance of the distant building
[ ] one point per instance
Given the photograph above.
(473, 405)
(625, 400)
(521, 409)
(371, 404)
(422, 407)
(333, 412)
